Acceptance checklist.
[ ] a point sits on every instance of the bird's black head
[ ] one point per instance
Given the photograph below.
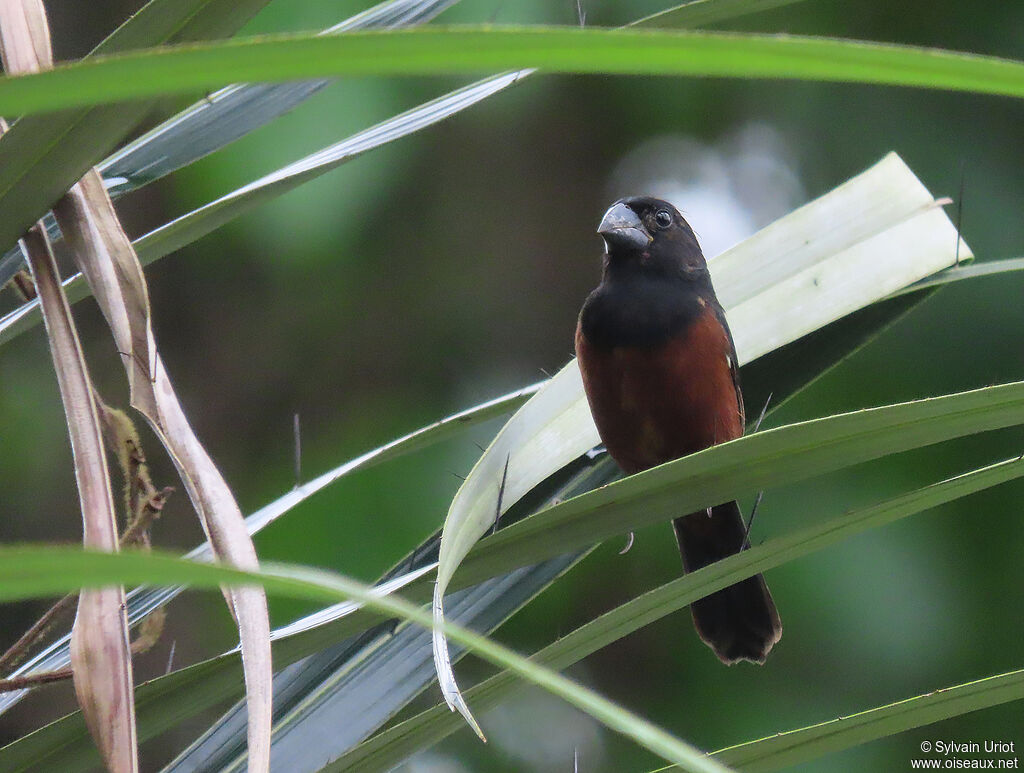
(648, 237)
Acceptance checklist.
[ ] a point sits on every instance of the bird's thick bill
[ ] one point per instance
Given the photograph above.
(622, 229)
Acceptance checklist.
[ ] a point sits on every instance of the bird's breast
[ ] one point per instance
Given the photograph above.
(656, 403)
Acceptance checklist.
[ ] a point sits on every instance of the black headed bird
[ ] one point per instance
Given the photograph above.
(660, 372)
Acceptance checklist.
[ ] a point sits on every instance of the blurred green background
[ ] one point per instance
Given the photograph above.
(449, 267)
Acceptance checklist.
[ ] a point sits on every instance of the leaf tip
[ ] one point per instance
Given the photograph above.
(443, 665)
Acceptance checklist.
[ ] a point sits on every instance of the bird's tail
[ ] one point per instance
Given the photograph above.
(739, 622)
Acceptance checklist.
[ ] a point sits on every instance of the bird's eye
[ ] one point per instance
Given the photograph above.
(663, 218)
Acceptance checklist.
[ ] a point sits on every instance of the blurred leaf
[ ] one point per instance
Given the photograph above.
(232, 112)
(348, 690)
(165, 71)
(196, 224)
(784, 750)
(809, 268)
(41, 157)
(390, 747)
(28, 573)
(224, 116)
(360, 694)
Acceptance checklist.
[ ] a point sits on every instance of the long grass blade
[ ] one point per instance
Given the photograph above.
(703, 13)
(162, 703)
(354, 687)
(972, 271)
(278, 58)
(196, 687)
(28, 572)
(234, 111)
(795, 747)
(775, 457)
(199, 222)
(196, 224)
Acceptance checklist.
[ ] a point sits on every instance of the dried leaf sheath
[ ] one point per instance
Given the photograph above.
(100, 652)
(106, 258)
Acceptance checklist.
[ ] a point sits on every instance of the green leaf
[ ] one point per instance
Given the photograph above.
(797, 746)
(196, 224)
(232, 112)
(28, 573)
(184, 69)
(388, 748)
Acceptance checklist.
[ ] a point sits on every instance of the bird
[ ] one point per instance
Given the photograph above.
(661, 377)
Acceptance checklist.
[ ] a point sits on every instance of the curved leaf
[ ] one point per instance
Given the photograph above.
(28, 572)
(972, 271)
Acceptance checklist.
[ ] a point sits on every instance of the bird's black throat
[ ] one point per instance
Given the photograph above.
(643, 311)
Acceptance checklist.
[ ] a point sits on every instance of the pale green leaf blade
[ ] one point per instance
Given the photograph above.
(972, 271)
(702, 13)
